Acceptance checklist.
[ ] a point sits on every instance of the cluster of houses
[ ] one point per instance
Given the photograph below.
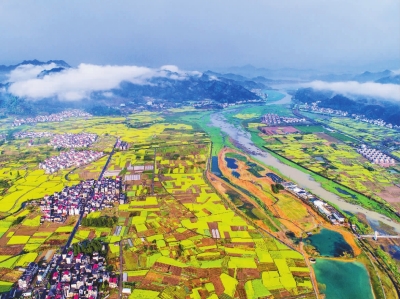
(67, 159)
(375, 156)
(208, 104)
(78, 276)
(55, 117)
(87, 196)
(326, 210)
(27, 276)
(314, 108)
(275, 119)
(122, 145)
(376, 122)
(22, 135)
(69, 140)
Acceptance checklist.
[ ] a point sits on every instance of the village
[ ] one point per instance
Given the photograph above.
(313, 107)
(375, 156)
(55, 117)
(87, 197)
(275, 119)
(68, 159)
(70, 275)
(22, 135)
(73, 140)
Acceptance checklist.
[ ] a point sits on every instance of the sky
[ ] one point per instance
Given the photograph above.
(337, 35)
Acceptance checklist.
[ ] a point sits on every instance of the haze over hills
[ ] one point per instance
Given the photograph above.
(32, 86)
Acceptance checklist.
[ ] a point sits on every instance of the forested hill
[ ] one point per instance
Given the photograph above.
(374, 109)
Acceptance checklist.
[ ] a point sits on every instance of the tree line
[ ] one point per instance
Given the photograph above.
(103, 221)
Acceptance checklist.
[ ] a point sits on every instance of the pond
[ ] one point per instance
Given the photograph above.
(342, 280)
(236, 174)
(345, 192)
(329, 243)
(231, 163)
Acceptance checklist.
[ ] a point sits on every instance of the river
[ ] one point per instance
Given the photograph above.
(302, 179)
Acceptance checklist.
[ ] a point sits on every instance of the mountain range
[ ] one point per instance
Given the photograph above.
(9, 68)
(291, 75)
(171, 88)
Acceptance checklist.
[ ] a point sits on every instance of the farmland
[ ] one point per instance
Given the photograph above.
(184, 231)
(177, 231)
(333, 160)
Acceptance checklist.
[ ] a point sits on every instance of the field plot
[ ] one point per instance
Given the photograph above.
(184, 235)
(361, 130)
(21, 179)
(336, 161)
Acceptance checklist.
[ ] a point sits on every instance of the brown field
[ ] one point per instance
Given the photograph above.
(278, 130)
(327, 137)
(391, 194)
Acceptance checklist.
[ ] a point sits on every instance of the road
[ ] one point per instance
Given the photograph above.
(121, 272)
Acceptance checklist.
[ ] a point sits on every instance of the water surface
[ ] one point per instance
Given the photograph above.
(231, 163)
(343, 280)
(330, 243)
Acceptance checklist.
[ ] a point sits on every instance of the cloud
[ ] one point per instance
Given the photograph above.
(78, 83)
(28, 71)
(370, 89)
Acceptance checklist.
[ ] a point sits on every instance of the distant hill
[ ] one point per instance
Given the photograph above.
(48, 72)
(388, 111)
(8, 68)
(285, 75)
(369, 76)
(238, 79)
(389, 80)
(192, 89)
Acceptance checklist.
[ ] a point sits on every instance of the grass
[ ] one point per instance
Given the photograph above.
(5, 286)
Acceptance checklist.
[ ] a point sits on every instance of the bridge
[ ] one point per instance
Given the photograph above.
(376, 235)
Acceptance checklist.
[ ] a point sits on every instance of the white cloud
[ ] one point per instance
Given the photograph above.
(78, 83)
(28, 71)
(371, 89)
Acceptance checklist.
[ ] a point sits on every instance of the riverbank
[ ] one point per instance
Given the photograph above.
(303, 179)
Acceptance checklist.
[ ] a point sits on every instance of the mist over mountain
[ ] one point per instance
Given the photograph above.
(52, 84)
(393, 79)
